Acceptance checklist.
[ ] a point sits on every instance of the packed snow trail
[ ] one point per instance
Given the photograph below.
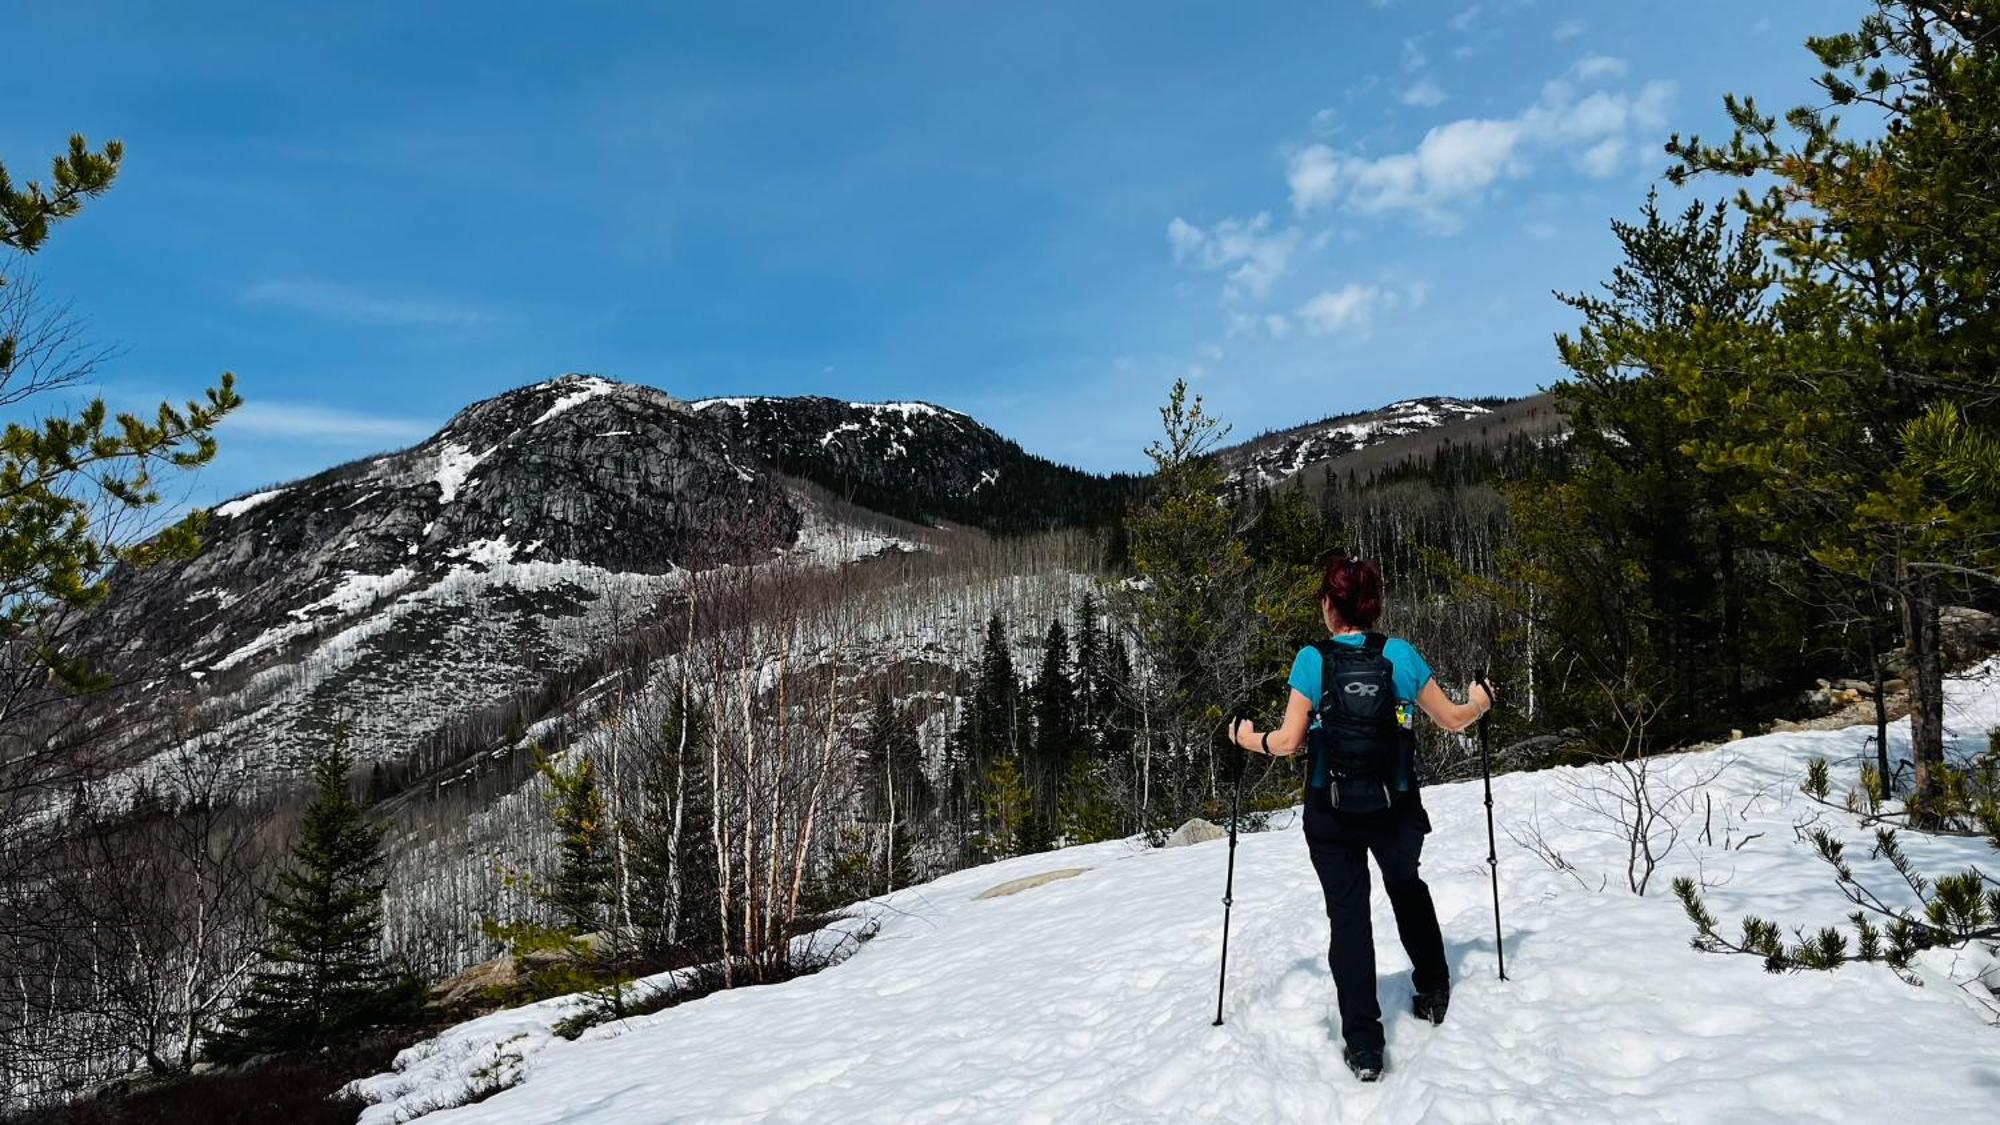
(1090, 998)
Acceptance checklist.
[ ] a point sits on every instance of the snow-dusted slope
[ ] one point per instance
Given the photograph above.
(1090, 998)
(1272, 457)
(399, 595)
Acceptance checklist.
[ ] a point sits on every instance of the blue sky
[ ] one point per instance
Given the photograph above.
(1040, 214)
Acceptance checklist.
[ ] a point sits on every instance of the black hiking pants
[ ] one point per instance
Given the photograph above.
(1340, 843)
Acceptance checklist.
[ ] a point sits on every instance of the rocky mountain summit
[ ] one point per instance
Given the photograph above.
(917, 461)
(514, 543)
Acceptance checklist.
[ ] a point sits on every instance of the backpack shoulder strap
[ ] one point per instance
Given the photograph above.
(1375, 643)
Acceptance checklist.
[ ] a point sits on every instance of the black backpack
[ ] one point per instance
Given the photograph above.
(1361, 756)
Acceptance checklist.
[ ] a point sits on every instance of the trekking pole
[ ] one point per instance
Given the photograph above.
(1492, 849)
(1229, 886)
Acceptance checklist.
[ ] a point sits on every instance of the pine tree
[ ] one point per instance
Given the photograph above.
(322, 976)
(564, 958)
(1191, 609)
(1055, 734)
(68, 483)
(1863, 414)
(1630, 557)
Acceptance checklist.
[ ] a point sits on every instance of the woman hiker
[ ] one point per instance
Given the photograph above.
(1349, 706)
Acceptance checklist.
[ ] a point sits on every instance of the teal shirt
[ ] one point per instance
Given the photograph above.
(1412, 671)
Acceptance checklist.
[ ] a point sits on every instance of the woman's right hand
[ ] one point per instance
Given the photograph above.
(1237, 729)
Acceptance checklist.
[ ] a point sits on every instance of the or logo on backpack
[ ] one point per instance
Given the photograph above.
(1361, 754)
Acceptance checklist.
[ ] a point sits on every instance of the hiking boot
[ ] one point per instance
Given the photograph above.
(1366, 1065)
(1430, 1006)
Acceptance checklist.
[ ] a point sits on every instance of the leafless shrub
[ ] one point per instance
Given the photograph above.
(1638, 798)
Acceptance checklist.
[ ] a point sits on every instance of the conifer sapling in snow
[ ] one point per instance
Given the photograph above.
(323, 976)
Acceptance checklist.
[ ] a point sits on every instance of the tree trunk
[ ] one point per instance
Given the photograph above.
(1877, 658)
(1923, 643)
(1732, 619)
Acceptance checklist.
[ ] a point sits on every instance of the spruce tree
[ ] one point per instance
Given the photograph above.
(1006, 807)
(894, 786)
(581, 890)
(1055, 722)
(989, 718)
(673, 866)
(322, 976)
(1089, 658)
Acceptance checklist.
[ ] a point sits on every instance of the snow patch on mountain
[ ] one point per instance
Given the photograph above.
(581, 390)
(354, 593)
(485, 552)
(1271, 459)
(243, 504)
(831, 543)
(1091, 998)
(455, 463)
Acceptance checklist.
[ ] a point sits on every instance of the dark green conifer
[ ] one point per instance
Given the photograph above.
(322, 975)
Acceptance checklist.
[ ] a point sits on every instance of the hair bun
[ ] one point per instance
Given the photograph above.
(1354, 586)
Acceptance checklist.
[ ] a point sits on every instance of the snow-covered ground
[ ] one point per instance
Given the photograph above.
(1090, 998)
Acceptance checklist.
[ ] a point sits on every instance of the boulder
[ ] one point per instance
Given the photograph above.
(1196, 831)
(1029, 882)
(1968, 633)
(473, 989)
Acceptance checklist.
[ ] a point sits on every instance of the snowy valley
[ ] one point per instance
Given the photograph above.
(1090, 997)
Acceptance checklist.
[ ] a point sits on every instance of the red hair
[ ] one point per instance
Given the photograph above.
(1354, 586)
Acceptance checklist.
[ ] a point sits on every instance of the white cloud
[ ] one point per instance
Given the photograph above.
(1413, 53)
(1314, 176)
(1455, 164)
(1424, 93)
(1255, 255)
(1599, 66)
(301, 421)
(1463, 21)
(1350, 308)
(1465, 156)
(1278, 325)
(339, 302)
(1603, 159)
(1567, 30)
(1540, 230)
